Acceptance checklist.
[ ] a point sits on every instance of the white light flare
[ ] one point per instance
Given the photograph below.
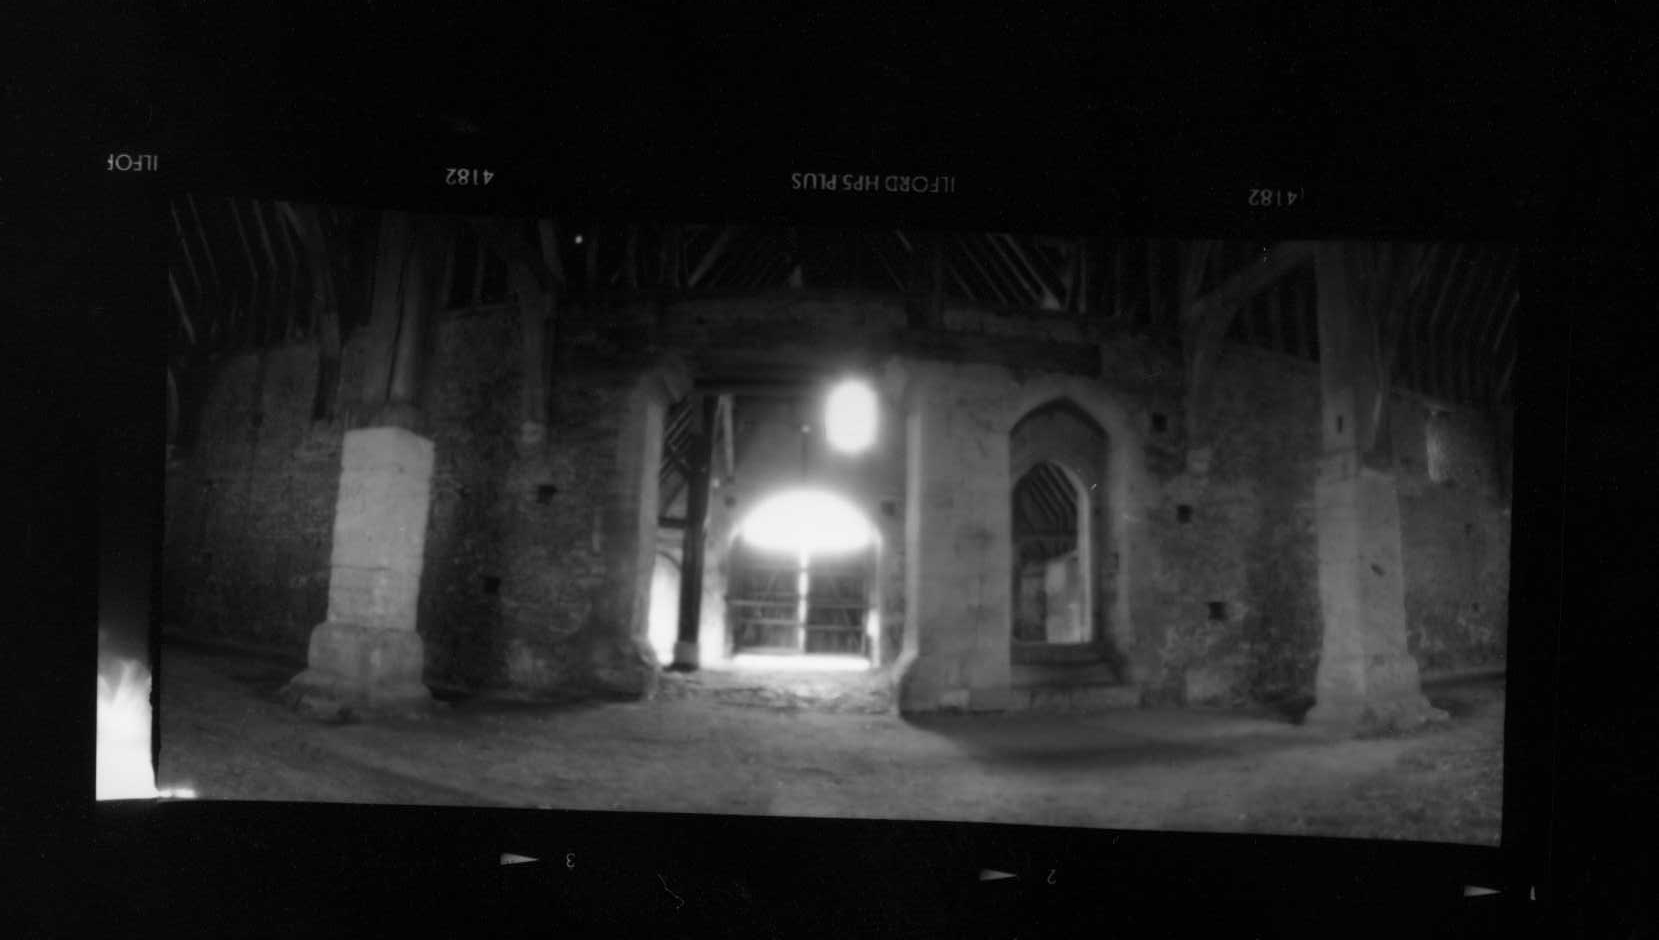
(805, 523)
(818, 662)
(124, 769)
(850, 417)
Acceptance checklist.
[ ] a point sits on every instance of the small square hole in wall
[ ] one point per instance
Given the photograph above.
(1183, 513)
(545, 493)
(492, 584)
(1160, 422)
(1218, 610)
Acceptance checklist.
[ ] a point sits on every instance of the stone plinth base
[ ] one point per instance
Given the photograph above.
(1367, 679)
(687, 656)
(359, 671)
(1403, 713)
(623, 668)
(931, 683)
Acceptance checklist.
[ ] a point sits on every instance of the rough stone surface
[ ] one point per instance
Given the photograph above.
(1248, 543)
(1456, 534)
(357, 670)
(1367, 676)
(532, 545)
(379, 537)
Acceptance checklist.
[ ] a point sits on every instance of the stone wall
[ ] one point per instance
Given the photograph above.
(1455, 528)
(522, 549)
(469, 592)
(249, 512)
(540, 554)
(1235, 614)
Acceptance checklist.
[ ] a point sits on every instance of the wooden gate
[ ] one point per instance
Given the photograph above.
(777, 606)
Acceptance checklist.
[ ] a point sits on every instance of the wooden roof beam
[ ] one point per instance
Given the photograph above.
(207, 248)
(990, 282)
(714, 253)
(1205, 320)
(1248, 282)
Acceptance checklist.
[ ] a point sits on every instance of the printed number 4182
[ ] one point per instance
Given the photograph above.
(1274, 198)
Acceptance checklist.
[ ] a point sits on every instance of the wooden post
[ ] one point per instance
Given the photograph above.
(533, 302)
(728, 403)
(691, 554)
(325, 307)
(413, 347)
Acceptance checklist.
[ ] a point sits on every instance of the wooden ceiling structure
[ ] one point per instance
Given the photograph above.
(1045, 514)
(248, 273)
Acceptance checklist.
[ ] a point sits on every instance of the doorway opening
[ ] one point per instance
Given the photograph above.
(1060, 543)
(1053, 559)
(801, 578)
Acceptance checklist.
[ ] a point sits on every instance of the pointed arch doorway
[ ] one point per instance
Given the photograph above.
(1060, 552)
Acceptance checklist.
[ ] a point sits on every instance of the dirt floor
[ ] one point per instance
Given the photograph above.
(703, 747)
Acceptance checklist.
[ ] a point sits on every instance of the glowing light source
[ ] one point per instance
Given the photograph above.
(806, 523)
(124, 769)
(763, 662)
(850, 416)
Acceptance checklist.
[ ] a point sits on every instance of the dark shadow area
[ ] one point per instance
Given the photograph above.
(1062, 742)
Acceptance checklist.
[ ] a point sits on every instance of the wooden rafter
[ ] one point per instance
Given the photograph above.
(291, 311)
(1456, 363)
(1507, 323)
(1025, 271)
(207, 247)
(991, 286)
(1251, 280)
(270, 304)
(1205, 320)
(1467, 330)
(184, 313)
(1497, 306)
(715, 251)
(872, 239)
(184, 244)
(1506, 376)
(1493, 308)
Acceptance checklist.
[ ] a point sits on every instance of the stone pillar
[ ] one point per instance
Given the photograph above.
(1367, 678)
(959, 545)
(367, 657)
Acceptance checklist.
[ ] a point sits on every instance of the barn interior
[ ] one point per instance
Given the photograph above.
(449, 466)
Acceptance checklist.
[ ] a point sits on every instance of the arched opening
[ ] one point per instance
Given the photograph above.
(801, 581)
(1053, 558)
(1062, 543)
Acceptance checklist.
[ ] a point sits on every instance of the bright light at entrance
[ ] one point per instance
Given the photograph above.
(806, 522)
(124, 769)
(850, 417)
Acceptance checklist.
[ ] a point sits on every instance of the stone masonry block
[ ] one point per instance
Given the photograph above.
(374, 597)
(356, 669)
